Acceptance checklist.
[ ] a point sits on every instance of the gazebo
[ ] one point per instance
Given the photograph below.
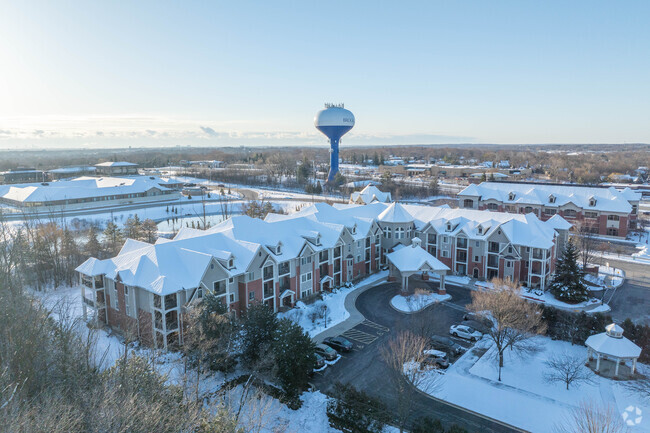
(612, 345)
(412, 259)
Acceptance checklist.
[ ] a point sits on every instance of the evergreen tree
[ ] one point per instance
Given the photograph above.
(258, 332)
(114, 238)
(92, 247)
(149, 231)
(568, 281)
(133, 227)
(293, 351)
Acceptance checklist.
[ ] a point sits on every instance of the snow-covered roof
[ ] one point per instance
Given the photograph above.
(395, 213)
(116, 164)
(413, 258)
(370, 194)
(613, 343)
(80, 187)
(589, 198)
(72, 170)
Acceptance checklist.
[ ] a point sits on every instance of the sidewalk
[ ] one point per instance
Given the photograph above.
(355, 316)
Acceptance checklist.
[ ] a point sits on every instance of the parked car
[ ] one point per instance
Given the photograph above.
(326, 352)
(447, 344)
(339, 343)
(436, 358)
(464, 331)
(477, 321)
(320, 361)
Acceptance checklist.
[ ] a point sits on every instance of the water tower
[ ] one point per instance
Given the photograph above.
(334, 121)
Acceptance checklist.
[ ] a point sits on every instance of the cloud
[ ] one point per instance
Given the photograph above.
(211, 132)
(151, 132)
(38, 132)
(99, 133)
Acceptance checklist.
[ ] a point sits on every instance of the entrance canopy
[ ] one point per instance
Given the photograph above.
(412, 259)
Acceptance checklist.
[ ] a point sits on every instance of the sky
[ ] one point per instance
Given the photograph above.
(167, 73)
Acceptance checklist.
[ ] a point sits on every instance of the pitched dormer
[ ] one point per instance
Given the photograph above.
(552, 198)
(511, 195)
(276, 249)
(592, 201)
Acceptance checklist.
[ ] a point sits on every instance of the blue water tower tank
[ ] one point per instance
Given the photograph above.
(334, 121)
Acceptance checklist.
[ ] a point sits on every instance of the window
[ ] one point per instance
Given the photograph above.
(592, 202)
(126, 300)
(477, 243)
(468, 203)
(387, 232)
(510, 249)
(508, 264)
(231, 280)
(250, 276)
(231, 263)
(268, 272)
(612, 218)
(251, 296)
(219, 287)
(445, 239)
(445, 253)
(358, 258)
(448, 227)
(232, 298)
(461, 242)
(305, 260)
(304, 278)
(570, 213)
(551, 198)
(476, 259)
(548, 211)
(399, 232)
(283, 268)
(511, 196)
(634, 209)
(117, 305)
(199, 293)
(590, 214)
(278, 249)
(492, 206)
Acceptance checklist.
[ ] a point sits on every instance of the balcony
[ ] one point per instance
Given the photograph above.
(323, 256)
(170, 301)
(461, 242)
(461, 256)
(285, 284)
(283, 268)
(268, 289)
(493, 247)
(493, 261)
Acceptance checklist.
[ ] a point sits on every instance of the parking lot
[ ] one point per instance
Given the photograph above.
(364, 368)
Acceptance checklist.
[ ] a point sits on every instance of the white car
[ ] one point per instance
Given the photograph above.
(464, 331)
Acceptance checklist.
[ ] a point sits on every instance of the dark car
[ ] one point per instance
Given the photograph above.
(326, 352)
(477, 321)
(445, 343)
(320, 361)
(339, 343)
(436, 358)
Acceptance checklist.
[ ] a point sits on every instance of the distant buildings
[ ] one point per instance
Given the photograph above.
(604, 211)
(285, 258)
(22, 174)
(85, 192)
(119, 168)
(370, 194)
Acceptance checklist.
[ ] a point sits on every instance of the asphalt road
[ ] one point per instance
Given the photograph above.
(365, 369)
(632, 299)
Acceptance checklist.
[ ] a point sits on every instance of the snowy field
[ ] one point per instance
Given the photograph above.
(523, 398)
(416, 302)
(312, 317)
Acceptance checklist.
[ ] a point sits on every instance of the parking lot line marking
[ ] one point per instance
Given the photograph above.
(372, 324)
(360, 336)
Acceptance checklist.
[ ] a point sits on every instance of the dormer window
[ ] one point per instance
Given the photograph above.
(318, 239)
(479, 230)
(278, 249)
(231, 263)
(592, 201)
(551, 198)
(511, 196)
(448, 227)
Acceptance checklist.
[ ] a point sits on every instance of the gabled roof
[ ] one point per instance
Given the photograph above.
(370, 194)
(607, 199)
(413, 258)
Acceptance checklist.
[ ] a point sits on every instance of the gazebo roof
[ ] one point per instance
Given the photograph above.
(413, 258)
(613, 343)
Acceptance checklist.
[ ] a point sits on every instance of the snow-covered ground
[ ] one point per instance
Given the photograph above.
(267, 413)
(416, 302)
(592, 305)
(523, 398)
(607, 277)
(306, 315)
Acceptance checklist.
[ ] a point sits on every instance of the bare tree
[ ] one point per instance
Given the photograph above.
(641, 386)
(586, 241)
(404, 355)
(514, 321)
(567, 369)
(589, 417)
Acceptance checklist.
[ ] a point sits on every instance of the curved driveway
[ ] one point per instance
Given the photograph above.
(364, 368)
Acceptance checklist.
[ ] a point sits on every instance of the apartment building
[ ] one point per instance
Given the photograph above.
(285, 258)
(603, 211)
